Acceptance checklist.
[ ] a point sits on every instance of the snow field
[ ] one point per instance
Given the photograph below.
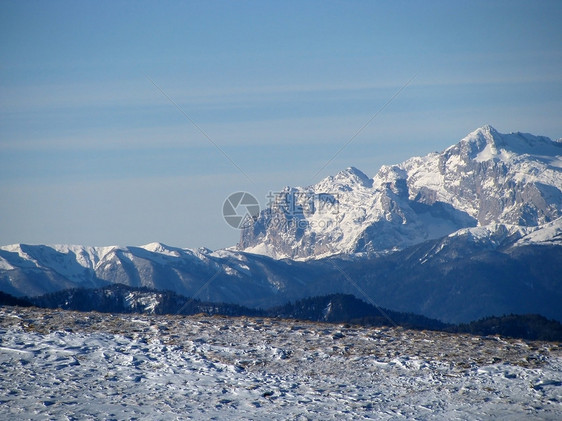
(67, 365)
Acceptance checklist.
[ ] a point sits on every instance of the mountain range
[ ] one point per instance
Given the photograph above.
(487, 178)
(469, 232)
(342, 309)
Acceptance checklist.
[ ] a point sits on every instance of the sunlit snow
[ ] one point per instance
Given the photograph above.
(64, 365)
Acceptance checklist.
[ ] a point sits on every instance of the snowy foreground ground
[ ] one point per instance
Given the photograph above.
(66, 365)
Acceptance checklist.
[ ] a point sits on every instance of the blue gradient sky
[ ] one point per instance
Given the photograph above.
(92, 153)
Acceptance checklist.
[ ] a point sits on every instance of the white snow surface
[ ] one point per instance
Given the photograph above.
(548, 234)
(64, 365)
(491, 232)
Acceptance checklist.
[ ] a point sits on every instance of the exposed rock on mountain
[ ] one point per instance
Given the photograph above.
(486, 178)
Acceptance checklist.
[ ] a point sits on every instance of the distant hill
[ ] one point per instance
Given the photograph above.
(334, 308)
(528, 326)
(118, 298)
(10, 300)
(346, 308)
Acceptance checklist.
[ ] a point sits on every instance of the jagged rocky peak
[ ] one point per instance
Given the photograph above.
(486, 143)
(486, 134)
(393, 178)
(485, 138)
(345, 180)
(486, 178)
(353, 175)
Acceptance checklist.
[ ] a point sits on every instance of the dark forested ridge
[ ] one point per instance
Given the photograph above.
(346, 308)
(10, 300)
(118, 298)
(528, 326)
(334, 308)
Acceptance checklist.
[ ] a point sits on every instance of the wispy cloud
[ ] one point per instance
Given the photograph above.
(138, 92)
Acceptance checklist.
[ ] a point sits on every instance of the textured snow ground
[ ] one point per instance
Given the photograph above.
(65, 365)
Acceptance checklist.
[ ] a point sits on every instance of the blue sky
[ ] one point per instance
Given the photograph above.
(91, 152)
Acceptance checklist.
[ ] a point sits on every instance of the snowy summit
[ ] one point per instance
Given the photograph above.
(486, 178)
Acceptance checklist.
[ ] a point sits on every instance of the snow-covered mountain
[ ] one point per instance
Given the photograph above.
(222, 275)
(472, 273)
(473, 231)
(488, 178)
